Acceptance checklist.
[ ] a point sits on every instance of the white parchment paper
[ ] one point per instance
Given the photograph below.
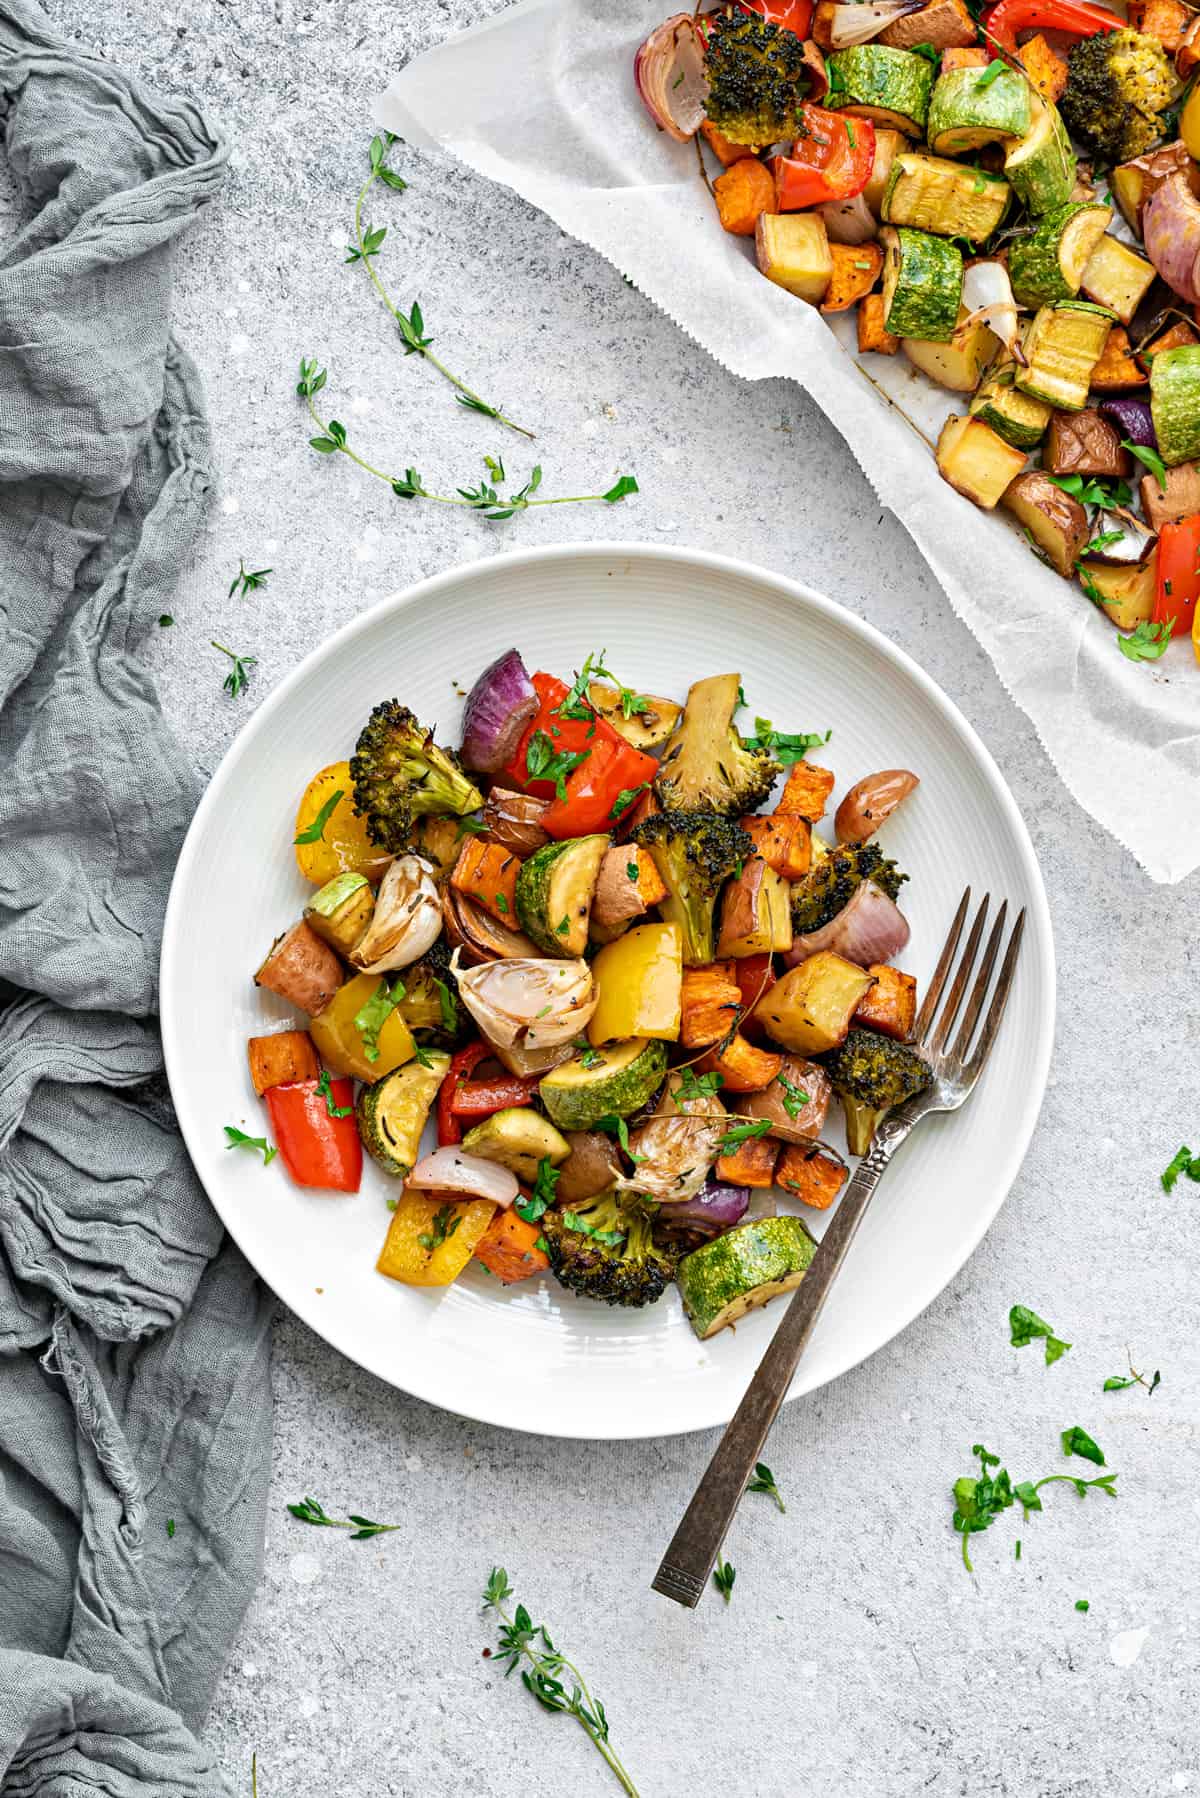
(542, 99)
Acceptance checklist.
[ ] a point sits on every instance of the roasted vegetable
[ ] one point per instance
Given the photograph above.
(400, 774)
(871, 802)
(677, 1144)
(794, 1103)
(430, 1004)
(1085, 443)
(1119, 84)
(743, 1067)
(722, 1280)
(510, 1248)
(304, 971)
(712, 999)
(638, 979)
(1056, 523)
(341, 843)
(603, 1249)
(890, 1004)
(591, 1167)
(514, 820)
(627, 886)
(794, 251)
(407, 920)
(393, 1112)
(341, 911)
(706, 767)
(755, 916)
(743, 192)
(805, 792)
(976, 461)
(832, 882)
(362, 1029)
(811, 1177)
(487, 873)
(281, 1059)
(695, 852)
(519, 1139)
(596, 1083)
(872, 1074)
(554, 891)
(757, 78)
(431, 1239)
(809, 1010)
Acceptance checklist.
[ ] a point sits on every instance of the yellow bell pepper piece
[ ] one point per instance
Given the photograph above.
(1196, 633)
(640, 982)
(343, 845)
(430, 1239)
(342, 1046)
(1189, 129)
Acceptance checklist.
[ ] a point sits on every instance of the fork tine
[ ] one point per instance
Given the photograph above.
(991, 1023)
(975, 1005)
(934, 991)
(937, 1041)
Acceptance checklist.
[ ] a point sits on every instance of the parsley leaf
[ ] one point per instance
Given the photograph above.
(542, 1196)
(544, 762)
(239, 1140)
(445, 1223)
(1026, 1326)
(723, 1578)
(316, 830)
(1149, 459)
(449, 1005)
(794, 1099)
(573, 1221)
(1146, 642)
(986, 76)
(1182, 1162)
(1093, 492)
(763, 1480)
(371, 1017)
(325, 1088)
(785, 749)
(1076, 1441)
(693, 1086)
(743, 1133)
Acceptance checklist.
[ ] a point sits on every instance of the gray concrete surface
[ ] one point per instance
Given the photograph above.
(857, 1656)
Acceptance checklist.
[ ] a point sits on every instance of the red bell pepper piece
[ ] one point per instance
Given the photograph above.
(1178, 588)
(1078, 17)
(477, 1099)
(831, 159)
(607, 765)
(462, 1066)
(789, 15)
(317, 1148)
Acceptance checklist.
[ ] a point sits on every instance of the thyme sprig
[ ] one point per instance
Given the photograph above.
(484, 498)
(239, 675)
(361, 1528)
(520, 1639)
(411, 325)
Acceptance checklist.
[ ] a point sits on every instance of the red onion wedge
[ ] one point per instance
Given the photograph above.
(498, 708)
(449, 1170)
(859, 23)
(1132, 418)
(1171, 236)
(987, 294)
(669, 72)
(870, 928)
(714, 1209)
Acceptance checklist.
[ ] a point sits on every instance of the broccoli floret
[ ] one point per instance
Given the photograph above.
(400, 774)
(430, 1006)
(706, 767)
(871, 1074)
(614, 1258)
(831, 883)
(695, 853)
(1118, 83)
(757, 78)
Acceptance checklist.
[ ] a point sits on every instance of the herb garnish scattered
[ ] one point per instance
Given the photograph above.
(325, 1088)
(723, 1578)
(449, 1005)
(239, 1140)
(794, 1098)
(1182, 1162)
(1093, 492)
(170, 1526)
(578, 705)
(1117, 1382)
(1149, 459)
(522, 1639)
(611, 1238)
(615, 1126)
(542, 1196)
(371, 1017)
(1146, 642)
(445, 1222)
(986, 76)
(743, 1133)
(1026, 1326)
(1076, 1441)
(544, 762)
(978, 1502)
(361, 1528)
(785, 749)
(763, 1480)
(238, 675)
(485, 498)
(631, 869)
(1081, 1604)
(693, 1086)
(165, 620)
(622, 803)
(249, 580)
(316, 830)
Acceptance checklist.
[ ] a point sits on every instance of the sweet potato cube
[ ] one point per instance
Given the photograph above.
(710, 1003)
(742, 192)
(891, 1004)
(723, 148)
(813, 1178)
(509, 1248)
(1166, 20)
(281, 1059)
(822, 24)
(751, 1163)
(872, 332)
(784, 842)
(487, 873)
(1173, 339)
(957, 57)
(755, 976)
(742, 1067)
(856, 268)
(805, 792)
(1116, 369)
(1046, 69)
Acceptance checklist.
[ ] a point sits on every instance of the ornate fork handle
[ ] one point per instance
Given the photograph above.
(693, 1551)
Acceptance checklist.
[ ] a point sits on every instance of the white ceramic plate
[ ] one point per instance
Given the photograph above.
(532, 1357)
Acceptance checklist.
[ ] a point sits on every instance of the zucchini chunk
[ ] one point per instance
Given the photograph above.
(1017, 417)
(722, 1280)
(1063, 344)
(933, 194)
(1049, 264)
(959, 363)
(518, 1138)
(890, 87)
(392, 1113)
(1042, 165)
(1056, 522)
(614, 1081)
(554, 893)
(922, 283)
(977, 462)
(966, 112)
(341, 911)
(1175, 403)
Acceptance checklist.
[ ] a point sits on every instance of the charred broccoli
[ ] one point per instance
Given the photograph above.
(400, 774)
(832, 882)
(604, 1250)
(1118, 84)
(706, 767)
(757, 78)
(430, 1006)
(871, 1074)
(695, 853)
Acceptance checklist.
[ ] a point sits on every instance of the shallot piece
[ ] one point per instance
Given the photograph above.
(868, 929)
(528, 1004)
(1130, 543)
(407, 919)
(987, 294)
(1132, 418)
(498, 708)
(1171, 236)
(449, 1170)
(859, 23)
(670, 77)
(714, 1209)
(674, 1148)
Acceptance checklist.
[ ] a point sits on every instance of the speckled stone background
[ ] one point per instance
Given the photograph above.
(857, 1656)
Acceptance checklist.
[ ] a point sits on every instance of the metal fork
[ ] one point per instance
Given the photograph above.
(688, 1562)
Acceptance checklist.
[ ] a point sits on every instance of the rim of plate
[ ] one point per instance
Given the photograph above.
(795, 593)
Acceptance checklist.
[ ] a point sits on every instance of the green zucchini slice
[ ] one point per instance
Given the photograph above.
(554, 893)
(392, 1113)
(966, 112)
(611, 1082)
(873, 81)
(1175, 403)
(722, 1280)
(518, 1138)
(1063, 344)
(933, 194)
(922, 283)
(1017, 417)
(1048, 265)
(1042, 165)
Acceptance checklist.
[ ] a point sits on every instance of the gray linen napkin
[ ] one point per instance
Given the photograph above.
(133, 1346)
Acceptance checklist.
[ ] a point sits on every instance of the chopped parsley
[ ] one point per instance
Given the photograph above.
(1076, 1441)
(1146, 642)
(239, 1140)
(316, 830)
(744, 1133)
(996, 67)
(1149, 459)
(445, 1222)
(1026, 1326)
(544, 762)
(325, 1088)
(786, 749)
(1182, 1162)
(794, 1098)
(371, 1017)
(542, 1196)
(693, 1086)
